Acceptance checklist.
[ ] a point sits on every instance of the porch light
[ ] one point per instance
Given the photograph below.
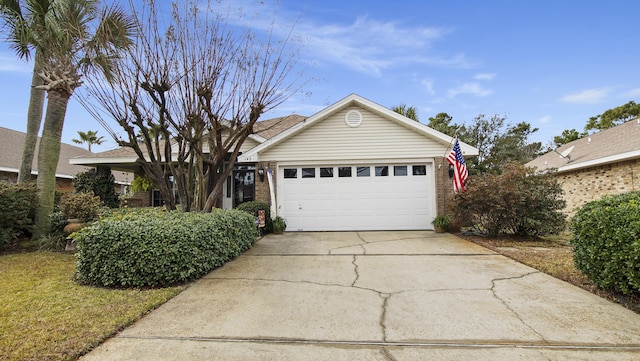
(261, 174)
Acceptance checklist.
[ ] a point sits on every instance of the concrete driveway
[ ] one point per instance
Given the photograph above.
(378, 296)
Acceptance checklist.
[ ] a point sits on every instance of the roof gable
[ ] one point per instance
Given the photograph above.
(349, 102)
(611, 145)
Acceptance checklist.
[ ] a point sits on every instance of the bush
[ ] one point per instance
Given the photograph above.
(55, 240)
(18, 204)
(152, 247)
(253, 207)
(516, 202)
(100, 182)
(606, 241)
(80, 205)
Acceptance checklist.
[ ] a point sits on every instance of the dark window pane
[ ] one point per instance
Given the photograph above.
(344, 171)
(399, 170)
(291, 173)
(382, 171)
(308, 172)
(326, 172)
(419, 169)
(364, 171)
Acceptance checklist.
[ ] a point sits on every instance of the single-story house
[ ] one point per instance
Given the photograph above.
(604, 163)
(355, 165)
(12, 144)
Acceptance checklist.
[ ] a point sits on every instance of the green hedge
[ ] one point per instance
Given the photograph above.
(606, 241)
(151, 247)
(18, 203)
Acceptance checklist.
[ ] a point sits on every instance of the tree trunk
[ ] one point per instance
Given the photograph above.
(34, 118)
(48, 156)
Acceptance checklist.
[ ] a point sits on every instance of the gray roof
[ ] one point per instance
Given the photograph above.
(272, 127)
(611, 145)
(11, 146)
(266, 129)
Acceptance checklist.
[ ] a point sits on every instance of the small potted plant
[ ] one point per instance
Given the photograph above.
(441, 223)
(279, 225)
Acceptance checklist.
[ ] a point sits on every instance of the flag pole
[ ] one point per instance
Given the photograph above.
(445, 195)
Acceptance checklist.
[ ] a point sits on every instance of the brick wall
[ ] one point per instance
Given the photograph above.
(444, 185)
(585, 185)
(262, 188)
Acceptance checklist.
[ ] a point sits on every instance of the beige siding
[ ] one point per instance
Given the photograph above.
(248, 145)
(375, 138)
(245, 147)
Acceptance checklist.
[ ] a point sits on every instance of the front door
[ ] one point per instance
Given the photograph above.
(240, 186)
(244, 184)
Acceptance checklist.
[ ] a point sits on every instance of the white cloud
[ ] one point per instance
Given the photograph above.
(485, 76)
(365, 45)
(632, 93)
(544, 120)
(14, 65)
(470, 88)
(427, 84)
(589, 96)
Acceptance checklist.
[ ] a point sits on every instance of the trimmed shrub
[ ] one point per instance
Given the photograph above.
(152, 247)
(516, 202)
(80, 205)
(18, 204)
(253, 207)
(100, 182)
(606, 242)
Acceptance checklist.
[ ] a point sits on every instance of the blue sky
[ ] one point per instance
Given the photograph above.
(552, 64)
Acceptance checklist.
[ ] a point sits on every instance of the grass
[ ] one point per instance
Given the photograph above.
(45, 315)
(554, 256)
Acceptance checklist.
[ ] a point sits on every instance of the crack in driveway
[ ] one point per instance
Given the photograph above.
(383, 316)
(504, 302)
(355, 270)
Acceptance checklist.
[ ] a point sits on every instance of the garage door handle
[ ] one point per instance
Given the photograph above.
(299, 206)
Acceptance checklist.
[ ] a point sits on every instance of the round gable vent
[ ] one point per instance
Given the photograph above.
(353, 118)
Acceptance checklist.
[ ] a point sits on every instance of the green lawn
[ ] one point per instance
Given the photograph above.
(45, 315)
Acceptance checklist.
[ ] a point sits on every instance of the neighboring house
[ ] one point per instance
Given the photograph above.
(604, 163)
(11, 146)
(355, 165)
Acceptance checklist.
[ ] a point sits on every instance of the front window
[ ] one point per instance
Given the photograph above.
(364, 171)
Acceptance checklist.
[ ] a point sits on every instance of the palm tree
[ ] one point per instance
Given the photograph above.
(82, 39)
(90, 137)
(19, 24)
(408, 111)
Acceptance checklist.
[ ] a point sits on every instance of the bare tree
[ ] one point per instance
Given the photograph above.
(189, 94)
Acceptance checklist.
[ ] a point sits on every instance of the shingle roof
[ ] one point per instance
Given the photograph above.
(266, 129)
(12, 142)
(272, 127)
(608, 146)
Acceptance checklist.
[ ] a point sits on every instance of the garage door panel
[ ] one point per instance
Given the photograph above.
(357, 203)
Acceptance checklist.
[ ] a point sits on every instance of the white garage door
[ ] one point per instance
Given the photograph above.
(357, 197)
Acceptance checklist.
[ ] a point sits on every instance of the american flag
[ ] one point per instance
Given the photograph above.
(460, 171)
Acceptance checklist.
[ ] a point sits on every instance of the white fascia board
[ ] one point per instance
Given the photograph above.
(34, 172)
(601, 161)
(257, 138)
(9, 170)
(85, 161)
(466, 149)
(253, 154)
